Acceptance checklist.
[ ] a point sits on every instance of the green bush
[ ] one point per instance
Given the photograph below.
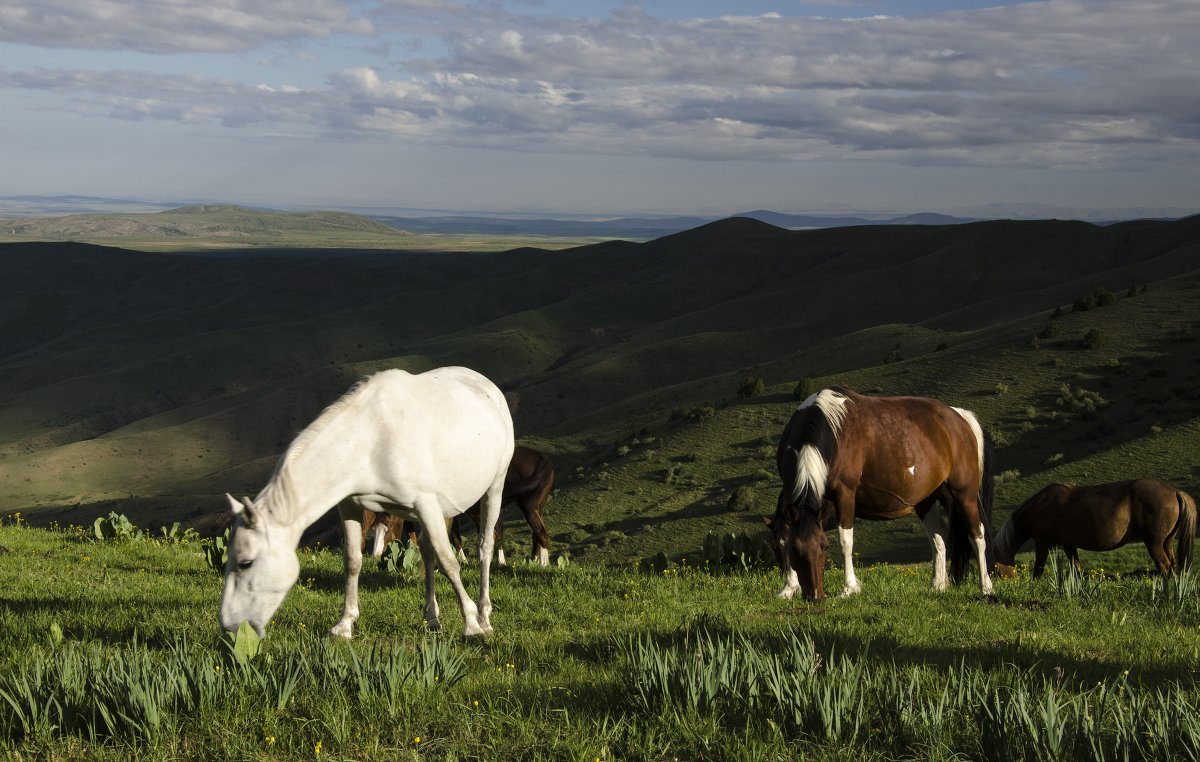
(216, 552)
(741, 499)
(751, 387)
(115, 526)
(1091, 339)
(805, 388)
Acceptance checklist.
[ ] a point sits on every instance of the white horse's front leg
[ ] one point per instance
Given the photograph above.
(846, 540)
(936, 528)
(352, 560)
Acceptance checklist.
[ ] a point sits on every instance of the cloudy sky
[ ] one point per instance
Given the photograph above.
(594, 106)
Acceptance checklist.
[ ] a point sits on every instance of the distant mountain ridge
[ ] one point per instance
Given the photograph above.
(579, 226)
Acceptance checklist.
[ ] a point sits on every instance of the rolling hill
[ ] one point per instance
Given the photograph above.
(150, 383)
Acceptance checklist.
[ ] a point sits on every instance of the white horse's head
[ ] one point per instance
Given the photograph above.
(261, 569)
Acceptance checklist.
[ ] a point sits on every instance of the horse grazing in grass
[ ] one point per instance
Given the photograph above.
(528, 483)
(844, 455)
(1102, 517)
(425, 447)
(379, 529)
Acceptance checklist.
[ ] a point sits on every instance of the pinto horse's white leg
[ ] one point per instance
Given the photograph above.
(846, 539)
(378, 535)
(985, 579)
(936, 528)
(352, 560)
(790, 586)
(435, 542)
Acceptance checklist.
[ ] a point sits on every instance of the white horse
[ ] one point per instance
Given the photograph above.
(425, 447)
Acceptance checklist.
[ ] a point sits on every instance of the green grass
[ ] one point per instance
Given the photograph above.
(567, 671)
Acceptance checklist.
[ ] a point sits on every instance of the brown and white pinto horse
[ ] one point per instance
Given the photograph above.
(379, 529)
(528, 483)
(1102, 517)
(844, 455)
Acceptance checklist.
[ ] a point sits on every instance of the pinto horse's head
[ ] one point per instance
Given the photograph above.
(262, 567)
(800, 546)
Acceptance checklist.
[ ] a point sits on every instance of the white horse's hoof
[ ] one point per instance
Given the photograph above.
(343, 630)
(476, 632)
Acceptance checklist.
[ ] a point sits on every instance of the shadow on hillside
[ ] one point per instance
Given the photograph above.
(206, 514)
(1082, 411)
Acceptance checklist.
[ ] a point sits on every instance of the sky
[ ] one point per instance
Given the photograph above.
(593, 107)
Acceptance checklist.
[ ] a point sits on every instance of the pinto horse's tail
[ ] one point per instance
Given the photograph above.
(962, 550)
(1186, 529)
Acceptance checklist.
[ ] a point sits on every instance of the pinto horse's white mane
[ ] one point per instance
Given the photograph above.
(812, 472)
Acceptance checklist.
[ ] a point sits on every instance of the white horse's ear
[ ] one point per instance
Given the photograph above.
(250, 513)
(234, 505)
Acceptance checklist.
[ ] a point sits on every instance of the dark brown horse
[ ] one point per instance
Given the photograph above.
(844, 455)
(528, 483)
(1102, 517)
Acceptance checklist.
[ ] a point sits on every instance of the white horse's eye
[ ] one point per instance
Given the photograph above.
(245, 564)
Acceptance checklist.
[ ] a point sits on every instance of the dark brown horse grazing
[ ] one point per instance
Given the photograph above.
(1102, 517)
(845, 455)
(528, 483)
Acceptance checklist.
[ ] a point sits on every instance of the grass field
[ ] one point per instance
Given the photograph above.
(111, 651)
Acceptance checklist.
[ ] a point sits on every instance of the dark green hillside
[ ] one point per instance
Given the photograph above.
(152, 383)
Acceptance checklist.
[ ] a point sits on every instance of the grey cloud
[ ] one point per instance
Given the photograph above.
(1058, 83)
(148, 26)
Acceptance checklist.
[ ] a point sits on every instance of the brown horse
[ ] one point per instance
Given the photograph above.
(1102, 517)
(844, 455)
(528, 483)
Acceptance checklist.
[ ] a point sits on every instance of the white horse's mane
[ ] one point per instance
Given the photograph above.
(277, 498)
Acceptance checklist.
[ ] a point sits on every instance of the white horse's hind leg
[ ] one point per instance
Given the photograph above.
(492, 503)
(846, 539)
(985, 579)
(429, 561)
(435, 541)
(936, 528)
(352, 560)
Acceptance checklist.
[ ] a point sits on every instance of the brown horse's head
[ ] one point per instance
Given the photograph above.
(800, 546)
